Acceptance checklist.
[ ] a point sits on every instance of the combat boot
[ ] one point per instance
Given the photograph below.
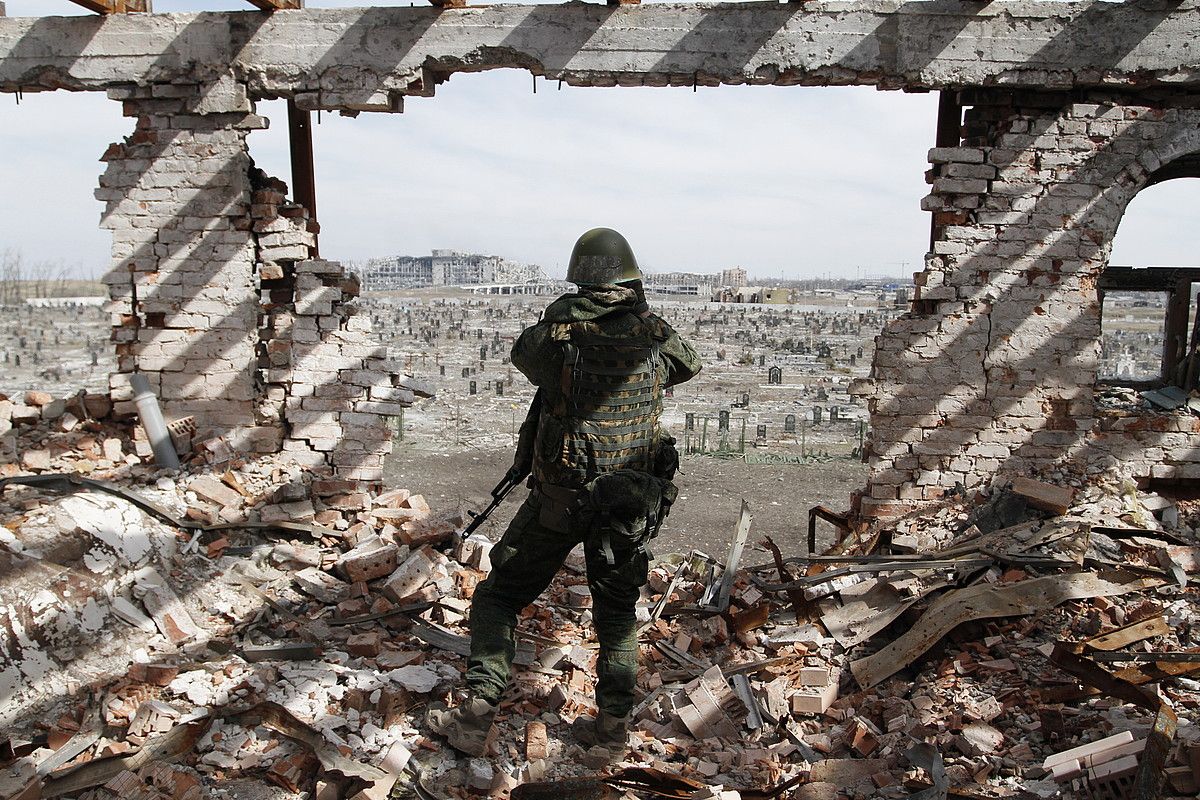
(466, 726)
(604, 737)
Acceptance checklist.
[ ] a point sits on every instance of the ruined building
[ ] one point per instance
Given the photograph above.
(445, 268)
(1053, 117)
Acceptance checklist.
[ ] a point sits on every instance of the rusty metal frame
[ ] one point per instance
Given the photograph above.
(304, 181)
(116, 6)
(839, 521)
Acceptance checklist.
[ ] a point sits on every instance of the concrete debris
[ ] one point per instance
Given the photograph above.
(340, 633)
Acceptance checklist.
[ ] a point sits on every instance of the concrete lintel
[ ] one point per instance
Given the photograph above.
(351, 56)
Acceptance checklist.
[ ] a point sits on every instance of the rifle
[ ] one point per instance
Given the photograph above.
(520, 469)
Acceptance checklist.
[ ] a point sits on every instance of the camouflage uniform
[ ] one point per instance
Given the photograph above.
(596, 338)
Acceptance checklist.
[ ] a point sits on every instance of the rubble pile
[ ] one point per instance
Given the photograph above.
(244, 622)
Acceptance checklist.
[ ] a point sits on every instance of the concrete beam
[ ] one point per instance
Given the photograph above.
(366, 59)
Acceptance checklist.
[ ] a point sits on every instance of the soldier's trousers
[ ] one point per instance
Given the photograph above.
(524, 562)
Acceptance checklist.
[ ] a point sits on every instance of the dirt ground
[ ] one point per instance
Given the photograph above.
(704, 517)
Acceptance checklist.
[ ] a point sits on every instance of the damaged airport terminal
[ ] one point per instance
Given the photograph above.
(1053, 117)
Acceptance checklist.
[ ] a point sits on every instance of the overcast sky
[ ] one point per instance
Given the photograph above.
(780, 180)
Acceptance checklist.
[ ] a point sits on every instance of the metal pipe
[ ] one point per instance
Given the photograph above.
(153, 422)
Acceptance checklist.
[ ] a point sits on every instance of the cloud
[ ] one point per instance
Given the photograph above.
(781, 180)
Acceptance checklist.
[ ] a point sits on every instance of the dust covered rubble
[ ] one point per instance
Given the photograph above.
(307, 655)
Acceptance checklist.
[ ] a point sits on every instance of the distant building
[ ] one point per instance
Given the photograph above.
(693, 284)
(445, 268)
(734, 277)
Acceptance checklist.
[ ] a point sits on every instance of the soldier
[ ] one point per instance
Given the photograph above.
(602, 470)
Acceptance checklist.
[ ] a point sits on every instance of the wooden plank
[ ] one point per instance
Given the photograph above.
(276, 5)
(1130, 634)
(116, 6)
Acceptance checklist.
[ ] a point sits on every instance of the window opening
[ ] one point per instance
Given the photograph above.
(1148, 327)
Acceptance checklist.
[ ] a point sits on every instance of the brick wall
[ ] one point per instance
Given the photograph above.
(994, 370)
(217, 297)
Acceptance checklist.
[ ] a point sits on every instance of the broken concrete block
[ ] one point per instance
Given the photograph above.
(321, 585)
(297, 556)
(371, 558)
(54, 410)
(420, 679)
(417, 503)
(36, 460)
(215, 491)
(475, 551)
(814, 699)
(130, 613)
(301, 511)
(980, 738)
(479, 774)
(164, 607)
(1046, 496)
(113, 450)
(536, 742)
(366, 645)
(707, 694)
(395, 759)
(415, 572)
(153, 716)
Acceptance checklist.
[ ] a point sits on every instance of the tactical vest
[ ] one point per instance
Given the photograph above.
(605, 416)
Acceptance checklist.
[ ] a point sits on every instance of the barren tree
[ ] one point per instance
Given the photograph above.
(11, 275)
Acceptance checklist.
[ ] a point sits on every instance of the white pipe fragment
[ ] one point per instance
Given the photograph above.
(153, 422)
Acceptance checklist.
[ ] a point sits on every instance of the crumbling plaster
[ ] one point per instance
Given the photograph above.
(1072, 106)
(371, 57)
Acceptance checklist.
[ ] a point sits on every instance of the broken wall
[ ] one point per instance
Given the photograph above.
(218, 298)
(995, 369)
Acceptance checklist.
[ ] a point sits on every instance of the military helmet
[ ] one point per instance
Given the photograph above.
(602, 256)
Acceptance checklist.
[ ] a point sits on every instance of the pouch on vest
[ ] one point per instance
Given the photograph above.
(624, 509)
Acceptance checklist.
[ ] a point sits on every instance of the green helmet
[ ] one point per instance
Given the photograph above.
(602, 256)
